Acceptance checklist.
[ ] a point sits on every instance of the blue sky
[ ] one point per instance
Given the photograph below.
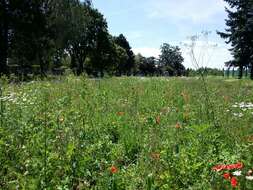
(149, 23)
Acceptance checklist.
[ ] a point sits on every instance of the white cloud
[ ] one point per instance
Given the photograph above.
(147, 52)
(214, 57)
(207, 53)
(197, 11)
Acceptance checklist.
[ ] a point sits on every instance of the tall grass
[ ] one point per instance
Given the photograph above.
(156, 132)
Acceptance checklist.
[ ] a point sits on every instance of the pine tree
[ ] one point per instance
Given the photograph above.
(239, 33)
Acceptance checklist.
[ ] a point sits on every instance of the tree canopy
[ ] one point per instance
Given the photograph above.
(239, 33)
(50, 36)
(171, 60)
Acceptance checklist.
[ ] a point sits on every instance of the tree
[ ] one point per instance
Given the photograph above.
(138, 59)
(120, 60)
(88, 37)
(127, 68)
(239, 33)
(4, 35)
(100, 52)
(42, 33)
(79, 41)
(148, 66)
(171, 60)
(31, 41)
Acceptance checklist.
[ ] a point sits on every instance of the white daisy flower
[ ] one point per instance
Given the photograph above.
(237, 173)
(249, 178)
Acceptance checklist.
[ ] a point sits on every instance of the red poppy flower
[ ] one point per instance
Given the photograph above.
(226, 175)
(218, 168)
(233, 182)
(238, 165)
(114, 169)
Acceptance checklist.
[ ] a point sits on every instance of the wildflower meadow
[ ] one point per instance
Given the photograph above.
(126, 133)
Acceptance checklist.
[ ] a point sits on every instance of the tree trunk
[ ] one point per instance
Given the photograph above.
(73, 61)
(102, 73)
(4, 40)
(251, 71)
(246, 72)
(41, 68)
(228, 72)
(80, 68)
(240, 72)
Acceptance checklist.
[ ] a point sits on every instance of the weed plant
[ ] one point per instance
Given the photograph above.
(124, 133)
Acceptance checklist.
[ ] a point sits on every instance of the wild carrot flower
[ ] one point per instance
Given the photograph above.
(114, 169)
(233, 182)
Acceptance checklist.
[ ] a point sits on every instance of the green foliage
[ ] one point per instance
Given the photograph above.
(239, 34)
(205, 71)
(126, 68)
(171, 60)
(44, 37)
(146, 66)
(123, 133)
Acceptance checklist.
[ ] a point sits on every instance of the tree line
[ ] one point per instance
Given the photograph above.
(239, 33)
(50, 36)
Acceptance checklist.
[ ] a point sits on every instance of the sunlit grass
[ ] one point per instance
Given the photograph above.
(124, 133)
